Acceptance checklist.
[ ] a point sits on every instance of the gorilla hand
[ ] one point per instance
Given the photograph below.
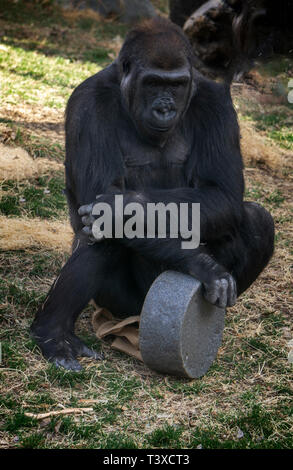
(222, 291)
(87, 219)
(90, 212)
(219, 287)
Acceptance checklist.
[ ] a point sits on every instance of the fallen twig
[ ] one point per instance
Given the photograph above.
(66, 411)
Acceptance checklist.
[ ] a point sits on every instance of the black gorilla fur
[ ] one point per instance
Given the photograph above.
(151, 127)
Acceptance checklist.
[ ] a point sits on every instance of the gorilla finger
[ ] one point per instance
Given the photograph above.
(87, 230)
(232, 292)
(86, 210)
(211, 292)
(223, 293)
(87, 220)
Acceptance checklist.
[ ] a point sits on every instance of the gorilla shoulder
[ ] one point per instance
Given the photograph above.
(99, 93)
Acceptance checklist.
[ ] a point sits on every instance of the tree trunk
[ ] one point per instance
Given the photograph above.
(209, 27)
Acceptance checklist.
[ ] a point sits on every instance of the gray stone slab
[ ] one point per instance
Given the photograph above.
(180, 332)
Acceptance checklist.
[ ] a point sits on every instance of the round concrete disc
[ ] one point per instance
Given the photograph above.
(180, 332)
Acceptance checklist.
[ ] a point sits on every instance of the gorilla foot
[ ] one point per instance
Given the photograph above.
(63, 351)
(66, 363)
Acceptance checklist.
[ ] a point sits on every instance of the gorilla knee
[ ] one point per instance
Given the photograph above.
(262, 227)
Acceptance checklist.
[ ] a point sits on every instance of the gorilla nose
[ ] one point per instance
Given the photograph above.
(164, 110)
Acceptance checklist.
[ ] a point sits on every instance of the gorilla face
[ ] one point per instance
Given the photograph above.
(156, 98)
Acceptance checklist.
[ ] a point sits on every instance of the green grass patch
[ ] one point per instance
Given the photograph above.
(11, 357)
(15, 293)
(254, 193)
(19, 420)
(117, 441)
(33, 441)
(36, 79)
(109, 411)
(80, 430)
(9, 401)
(122, 388)
(42, 148)
(277, 125)
(283, 137)
(253, 428)
(165, 437)
(45, 198)
(16, 264)
(64, 378)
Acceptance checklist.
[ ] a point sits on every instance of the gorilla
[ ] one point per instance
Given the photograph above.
(152, 128)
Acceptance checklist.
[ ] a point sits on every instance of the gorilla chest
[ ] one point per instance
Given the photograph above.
(153, 166)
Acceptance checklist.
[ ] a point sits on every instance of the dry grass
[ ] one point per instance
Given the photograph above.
(42, 122)
(17, 164)
(258, 150)
(22, 234)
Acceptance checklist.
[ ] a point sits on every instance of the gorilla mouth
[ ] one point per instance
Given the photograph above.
(164, 116)
(159, 128)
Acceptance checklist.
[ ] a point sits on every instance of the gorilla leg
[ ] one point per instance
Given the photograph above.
(246, 254)
(99, 271)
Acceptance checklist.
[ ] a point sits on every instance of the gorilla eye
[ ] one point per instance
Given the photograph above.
(151, 82)
(180, 83)
(126, 67)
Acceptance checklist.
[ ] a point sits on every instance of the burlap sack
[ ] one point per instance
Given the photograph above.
(125, 332)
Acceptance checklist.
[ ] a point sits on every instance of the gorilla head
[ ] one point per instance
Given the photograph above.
(156, 77)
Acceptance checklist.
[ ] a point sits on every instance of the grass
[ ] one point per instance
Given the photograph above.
(56, 77)
(44, 198)
(277, 126)
(167, 436)
(245, 399)
(37, 147)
